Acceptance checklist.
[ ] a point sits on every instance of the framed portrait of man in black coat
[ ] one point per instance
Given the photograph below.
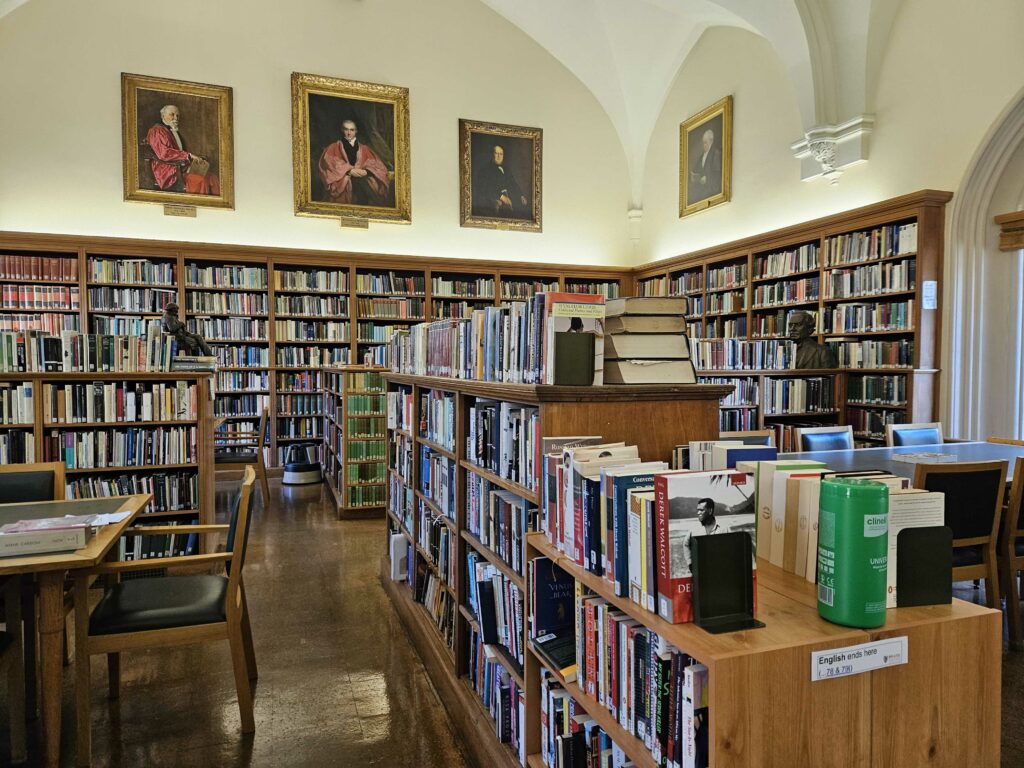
(705, 158)
(500, 176)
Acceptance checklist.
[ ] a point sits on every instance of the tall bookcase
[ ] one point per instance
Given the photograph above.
(432, 481)
(353, 455)
(765, 710)
(173, 456)
(872, 278)
(299, 312)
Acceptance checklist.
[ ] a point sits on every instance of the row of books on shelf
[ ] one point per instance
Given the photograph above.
(314, 357)
(74, 352)
(311, 306)
(437, 480)
(800, 395)
(17, 447)
(99, 401)
(26, 297)
(438, 542)
(482, 287)
(777, 354)
(130, 446)
(630, 521)
(15, 266)
(399, 409)
(871, 279)
(497, 602)
(230, 276)
(655, 692)
(311, 330)
(319, 280)
(788, 494)
(878, 390)
(870, 317)
(240, 381)
(437, 417)
(499, 519)
(504, 438)
(514, 343)
(138, 271)
(803, 258)
(228, 328)
(47, 322)
(879, 242)
(157, 545)
(438, 601)
(871, 424)
(236, 303)
(366, 450)
(17, 403)
(171, 491)
(504, 699)
(388, 308)
(390, 282)
(728, 276)
(805, 289)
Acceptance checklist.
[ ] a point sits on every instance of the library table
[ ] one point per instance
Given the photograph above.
(881, 458)
(50, 568)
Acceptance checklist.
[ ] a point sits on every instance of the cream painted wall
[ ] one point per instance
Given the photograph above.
(60, 136)
(948, 71)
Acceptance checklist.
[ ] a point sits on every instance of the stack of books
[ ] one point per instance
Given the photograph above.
(645, 341)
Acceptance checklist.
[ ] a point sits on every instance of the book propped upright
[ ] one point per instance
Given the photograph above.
(572, 313)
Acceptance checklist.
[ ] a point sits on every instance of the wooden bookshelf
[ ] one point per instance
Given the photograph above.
(46, 429)
(800, 267)
(636, 414)
(348, 394)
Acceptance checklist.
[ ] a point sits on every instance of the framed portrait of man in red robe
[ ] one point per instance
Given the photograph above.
(499, 176)
(178, 142)
(350, 149)
(705, 158)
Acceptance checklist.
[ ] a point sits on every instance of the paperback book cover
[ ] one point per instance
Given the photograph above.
(573, 313)
(691, 504)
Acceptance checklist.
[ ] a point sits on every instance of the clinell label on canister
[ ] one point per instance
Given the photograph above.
(853, 545)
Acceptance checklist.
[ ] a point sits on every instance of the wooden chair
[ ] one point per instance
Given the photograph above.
(12, 665)
(974, 505)
(929, 433)
(1004, 440)
(751, 437)
(20, 483)
(238, 450)
(824, 438)
(1011, 550)
(168, 611)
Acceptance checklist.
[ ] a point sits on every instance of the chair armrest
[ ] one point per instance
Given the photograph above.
(148, 529)
(157, 562)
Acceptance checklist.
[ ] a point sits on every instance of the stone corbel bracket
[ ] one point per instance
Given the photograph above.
(827, 149)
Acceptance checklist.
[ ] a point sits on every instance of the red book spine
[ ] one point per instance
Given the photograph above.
(612, 696)
(674, 603)
(577, 513)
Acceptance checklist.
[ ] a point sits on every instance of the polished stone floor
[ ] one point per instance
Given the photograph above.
(340, 684)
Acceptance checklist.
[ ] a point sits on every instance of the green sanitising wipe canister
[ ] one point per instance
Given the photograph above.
(853, 549)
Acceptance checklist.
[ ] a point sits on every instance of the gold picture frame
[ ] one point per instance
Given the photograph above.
(370, 180)
(193, 166)
(705, 169)
(499, 176)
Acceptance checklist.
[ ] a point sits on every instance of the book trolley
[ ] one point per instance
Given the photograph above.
(941, 708)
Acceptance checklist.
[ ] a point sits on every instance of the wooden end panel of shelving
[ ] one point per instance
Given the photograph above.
(767, 713)
(642, 423)
(943, 708)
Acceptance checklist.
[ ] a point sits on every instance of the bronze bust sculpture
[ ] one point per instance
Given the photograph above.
(188, 343)
(809, 353)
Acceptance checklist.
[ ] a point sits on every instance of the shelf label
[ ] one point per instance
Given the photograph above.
(930, 294)
(855, 659)
(188, 211)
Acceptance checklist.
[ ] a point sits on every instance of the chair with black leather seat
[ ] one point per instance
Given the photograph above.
(167, 611)
(22, 483)
(973, 511)
(750, 436)
(1011, 552)
(239, 449)
(823, 438)
(914, 434)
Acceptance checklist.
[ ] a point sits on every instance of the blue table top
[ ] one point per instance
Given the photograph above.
(881, 458)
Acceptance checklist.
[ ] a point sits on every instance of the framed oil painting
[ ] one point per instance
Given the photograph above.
(350, 148)
(499, 176)
(705, 158)
(178, 143)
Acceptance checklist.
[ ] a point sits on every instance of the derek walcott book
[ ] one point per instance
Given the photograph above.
(694, 504)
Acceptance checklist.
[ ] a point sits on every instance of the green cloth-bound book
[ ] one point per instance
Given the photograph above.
(574, 358)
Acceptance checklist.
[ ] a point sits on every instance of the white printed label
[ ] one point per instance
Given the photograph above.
(929, 294)
(855, 659)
